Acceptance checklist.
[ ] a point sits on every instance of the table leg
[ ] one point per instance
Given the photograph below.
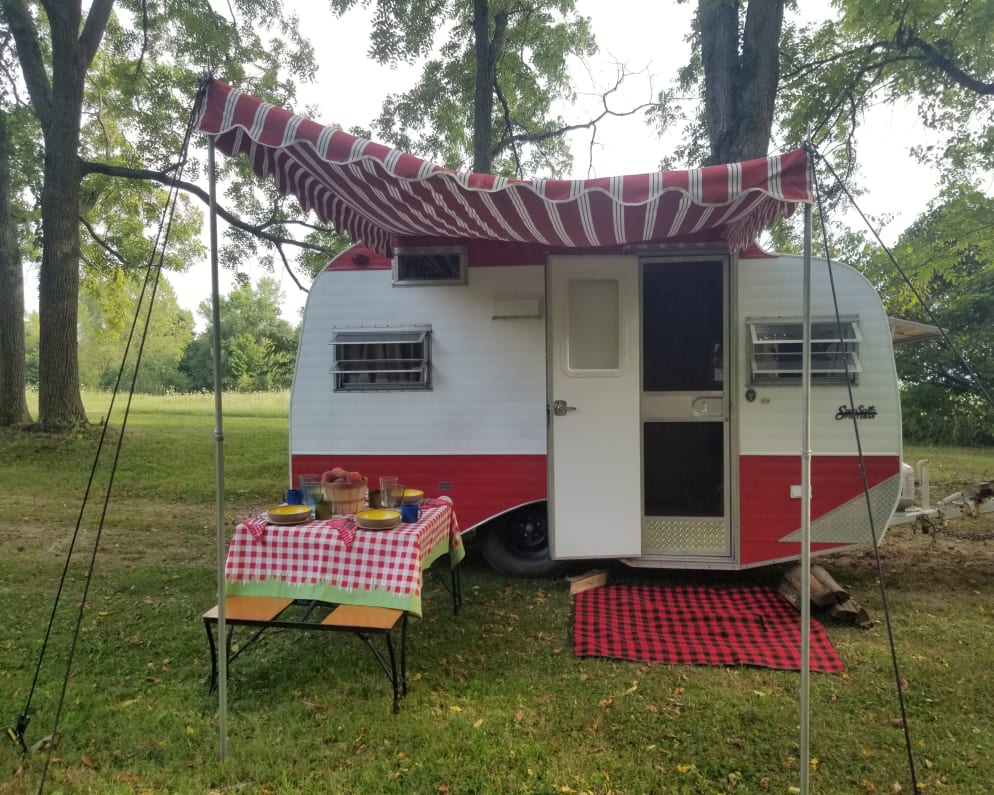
(456, 588)
(403, 654)
(212, 682)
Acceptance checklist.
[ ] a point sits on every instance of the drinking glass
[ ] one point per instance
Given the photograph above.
(391, 492)
(310, 485)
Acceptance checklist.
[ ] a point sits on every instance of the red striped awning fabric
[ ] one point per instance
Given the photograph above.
(375, 193)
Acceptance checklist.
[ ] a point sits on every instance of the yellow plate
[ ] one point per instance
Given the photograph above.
(289, 514)
(413, 495)
(377, 514)
(377, 519)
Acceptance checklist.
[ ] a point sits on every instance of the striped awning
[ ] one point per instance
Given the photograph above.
(376, 194)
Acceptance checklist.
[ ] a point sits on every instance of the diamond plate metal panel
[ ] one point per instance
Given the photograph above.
(848, 524)
(665, 536)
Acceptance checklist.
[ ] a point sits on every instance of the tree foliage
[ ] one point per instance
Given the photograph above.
(113, 311)
(252, 334)
(935, 54)
(947, 256)
(493, 72)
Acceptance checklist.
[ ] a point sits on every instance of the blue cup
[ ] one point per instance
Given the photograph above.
(293, 497)
(410, 512)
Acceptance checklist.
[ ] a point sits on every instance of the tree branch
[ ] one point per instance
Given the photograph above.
(286, 266)
(509, 130)
(546, 134)
(944, 64)
(101, 242)
(90, 167)
(514, 139)
(141, 55)
(29, 54)
(93, 30)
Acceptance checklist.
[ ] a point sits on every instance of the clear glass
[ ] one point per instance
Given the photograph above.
(310, 486)
(391, 492)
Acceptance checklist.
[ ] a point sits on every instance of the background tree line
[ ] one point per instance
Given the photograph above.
(93, 109)
(258, 346)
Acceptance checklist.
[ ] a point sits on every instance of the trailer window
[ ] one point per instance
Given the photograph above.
(430, 265)
(775, 350)
(383, 359)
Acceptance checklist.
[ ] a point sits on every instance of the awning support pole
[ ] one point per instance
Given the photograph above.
(805, 752)
(222, 671)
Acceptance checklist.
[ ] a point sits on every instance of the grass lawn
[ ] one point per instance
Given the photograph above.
(498, 702)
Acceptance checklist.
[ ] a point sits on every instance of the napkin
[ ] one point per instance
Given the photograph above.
(256, 526)
(346, 530)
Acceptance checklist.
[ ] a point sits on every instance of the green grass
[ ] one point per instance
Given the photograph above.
(498, 701)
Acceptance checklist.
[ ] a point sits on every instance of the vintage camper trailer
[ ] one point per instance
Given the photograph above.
(641, 406)
(601, 368)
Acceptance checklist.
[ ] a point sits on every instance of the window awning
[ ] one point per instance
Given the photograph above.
(911, 331)
(375, 193)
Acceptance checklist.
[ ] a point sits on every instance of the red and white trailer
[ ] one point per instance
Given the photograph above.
(598, 369)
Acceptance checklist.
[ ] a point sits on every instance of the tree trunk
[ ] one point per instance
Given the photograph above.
(483, 100)
(60, 406)
(13, 403)
(740, 82)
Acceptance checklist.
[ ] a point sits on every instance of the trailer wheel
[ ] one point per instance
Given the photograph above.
(518, 544)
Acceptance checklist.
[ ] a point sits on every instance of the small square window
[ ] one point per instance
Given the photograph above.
(430, 265)
(382, 359)
(775, 351)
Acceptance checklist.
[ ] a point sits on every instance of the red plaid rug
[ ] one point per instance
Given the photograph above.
(696, 626)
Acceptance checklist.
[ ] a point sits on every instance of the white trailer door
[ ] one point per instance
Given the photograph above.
(594, 462)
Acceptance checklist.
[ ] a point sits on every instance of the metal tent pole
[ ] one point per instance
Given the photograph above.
(222, 670)
(805, 751)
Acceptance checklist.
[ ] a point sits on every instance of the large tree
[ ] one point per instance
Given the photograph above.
(756, 75)
(13, 403)
(58, 104)
(740, 64)
(485, 100)
(137, 104)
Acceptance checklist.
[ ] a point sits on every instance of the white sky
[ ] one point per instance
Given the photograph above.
(349, 90)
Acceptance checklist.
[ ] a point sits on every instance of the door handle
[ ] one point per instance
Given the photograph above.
(560, 409)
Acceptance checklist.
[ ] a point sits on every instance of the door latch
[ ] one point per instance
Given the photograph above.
(560, 409)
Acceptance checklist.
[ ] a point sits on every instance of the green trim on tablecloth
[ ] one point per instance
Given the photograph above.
(325, 592)
(456, 554)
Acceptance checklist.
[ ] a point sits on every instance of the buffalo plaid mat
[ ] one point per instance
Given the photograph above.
(692, 625)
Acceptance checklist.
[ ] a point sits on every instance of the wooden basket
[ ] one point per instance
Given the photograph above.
(345, 498)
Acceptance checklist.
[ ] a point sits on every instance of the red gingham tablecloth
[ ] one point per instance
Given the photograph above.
(381, 568)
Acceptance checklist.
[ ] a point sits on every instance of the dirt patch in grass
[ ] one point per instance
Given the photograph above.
(957, 554)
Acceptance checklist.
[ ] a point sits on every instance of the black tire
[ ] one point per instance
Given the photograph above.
(518, 543)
